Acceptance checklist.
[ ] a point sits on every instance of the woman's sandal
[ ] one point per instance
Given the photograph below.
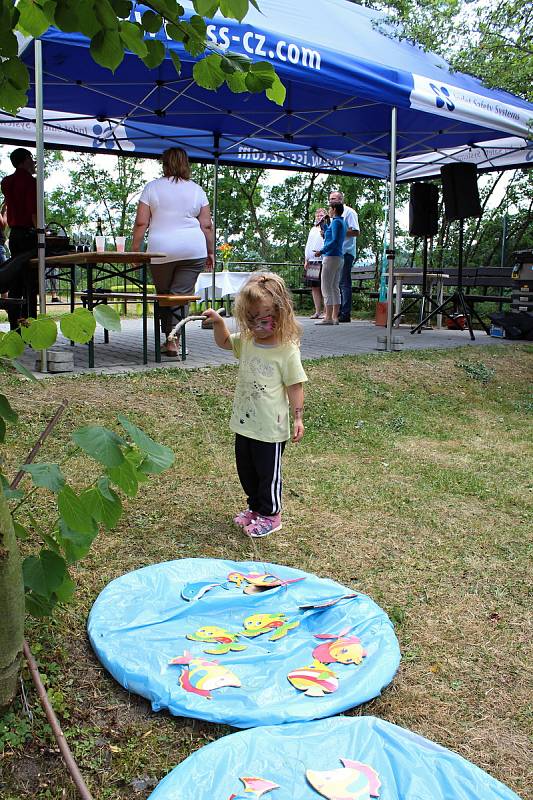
(170, 349)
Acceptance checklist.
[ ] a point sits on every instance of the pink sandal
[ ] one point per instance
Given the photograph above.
(263, 526)
(244, 518)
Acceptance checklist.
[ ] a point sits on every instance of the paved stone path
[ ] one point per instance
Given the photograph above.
(124, 351)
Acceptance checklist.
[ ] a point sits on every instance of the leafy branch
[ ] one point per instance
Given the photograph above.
(114, 27)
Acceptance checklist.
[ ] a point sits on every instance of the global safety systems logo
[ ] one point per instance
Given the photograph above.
(443, 97)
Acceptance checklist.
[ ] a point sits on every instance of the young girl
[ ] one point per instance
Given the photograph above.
(270, 380)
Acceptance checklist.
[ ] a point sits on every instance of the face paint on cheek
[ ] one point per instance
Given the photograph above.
(264, 324)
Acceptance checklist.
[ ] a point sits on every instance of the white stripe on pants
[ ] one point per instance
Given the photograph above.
(259, 470)
(331, 268)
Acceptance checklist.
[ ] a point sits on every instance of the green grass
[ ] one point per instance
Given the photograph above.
(412, 484)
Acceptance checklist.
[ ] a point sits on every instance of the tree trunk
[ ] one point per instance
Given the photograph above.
(11, 607)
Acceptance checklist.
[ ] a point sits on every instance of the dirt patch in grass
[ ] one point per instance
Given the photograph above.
(412, 484)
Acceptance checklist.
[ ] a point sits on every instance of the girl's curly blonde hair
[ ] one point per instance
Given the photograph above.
(266, 287)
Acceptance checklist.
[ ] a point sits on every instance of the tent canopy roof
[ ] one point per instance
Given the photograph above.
(342, 74)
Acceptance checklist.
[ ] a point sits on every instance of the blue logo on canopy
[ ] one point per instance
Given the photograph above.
(98, 141)
(443, 97)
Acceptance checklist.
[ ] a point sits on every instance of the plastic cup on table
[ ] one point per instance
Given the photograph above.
(100, 243)
(121, 243)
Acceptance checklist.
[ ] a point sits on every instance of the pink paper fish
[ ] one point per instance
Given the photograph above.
(342, 650)
(355, 781)
(256, 786)
(203, 676)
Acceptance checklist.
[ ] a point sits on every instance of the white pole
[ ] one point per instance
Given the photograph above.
(392, 222)
(39, 158)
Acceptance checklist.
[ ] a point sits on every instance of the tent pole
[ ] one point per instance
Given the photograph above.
(215, 219)
(392, 223)
(39, 158)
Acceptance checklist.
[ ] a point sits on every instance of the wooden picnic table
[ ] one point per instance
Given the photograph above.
(128, 264)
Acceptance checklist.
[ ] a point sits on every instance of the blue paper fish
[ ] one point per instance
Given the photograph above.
(194, 591)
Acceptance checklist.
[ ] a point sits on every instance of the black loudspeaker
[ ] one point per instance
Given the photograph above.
(423, 209)
(459, 191)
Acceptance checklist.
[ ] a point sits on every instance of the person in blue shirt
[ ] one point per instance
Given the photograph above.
(332, 260)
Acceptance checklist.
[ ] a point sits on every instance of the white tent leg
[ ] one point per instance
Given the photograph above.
(39, 158)
(215, 223)
(392, 223)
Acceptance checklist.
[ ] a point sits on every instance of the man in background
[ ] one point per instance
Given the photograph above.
(20, 195)
(348, 252)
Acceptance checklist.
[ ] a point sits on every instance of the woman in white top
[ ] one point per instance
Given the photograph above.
(176, 211)
(313, 263)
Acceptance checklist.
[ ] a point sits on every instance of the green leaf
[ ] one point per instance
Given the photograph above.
(67, 17)
(23, 371)
(208, 72)
(151, 22)
(132, 36)
(11, 344)
(101, 444)
(66, 590)
(17, 74)
(156, 53)
(40, 333)
(8, 43)
(21, 532)
(277, 92)
(122, 8)
(125, 477)
(107, 317)
(6, 411)
(44, 573)
(159, 458)
(2, 430)
(76, 514)
(234, 9)
(39, 606)
(45, 475)
(107, 49)
(207, 8)
(75, 544)
(237, 82)
(174, 57)
(177, 33)
(78, 326)
(10, 494)
(105, 511)
(33, 18)
(193, 41)
(11, 99)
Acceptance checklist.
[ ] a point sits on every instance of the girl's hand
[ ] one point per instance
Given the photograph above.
(298, 430)
(213, 315)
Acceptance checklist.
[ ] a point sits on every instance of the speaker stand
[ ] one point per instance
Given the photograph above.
(423, 296)
(457, 300)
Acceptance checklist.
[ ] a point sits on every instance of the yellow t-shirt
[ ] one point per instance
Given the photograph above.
(261, 404)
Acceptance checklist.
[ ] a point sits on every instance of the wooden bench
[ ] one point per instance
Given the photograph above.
(159, 301)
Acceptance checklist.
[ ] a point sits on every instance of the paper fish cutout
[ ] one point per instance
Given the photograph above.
(355, 781)
(259, 581)
(256, 786)
(328, 602)
(212, 633)
(315, 680)
(342, 650)
(373, 777)
(257, 624)
(194, 591)
(203, 676)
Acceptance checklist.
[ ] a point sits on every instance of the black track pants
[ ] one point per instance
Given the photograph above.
(259, 470)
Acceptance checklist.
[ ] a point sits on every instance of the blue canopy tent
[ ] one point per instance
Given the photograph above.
(358, 100)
